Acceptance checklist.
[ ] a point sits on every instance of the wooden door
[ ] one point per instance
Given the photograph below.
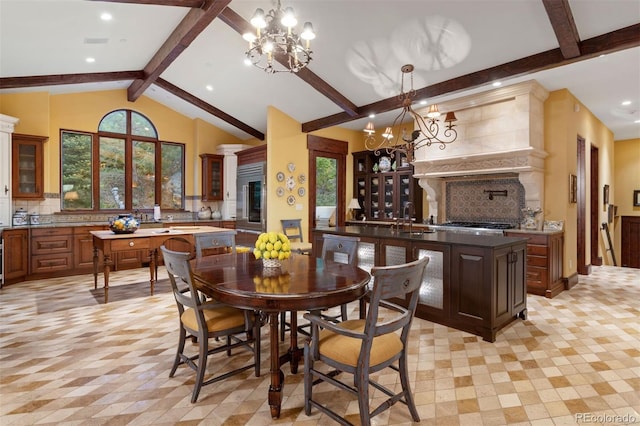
(630, 241)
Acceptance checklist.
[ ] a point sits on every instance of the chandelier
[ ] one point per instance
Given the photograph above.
(275, 46)
(428, 128)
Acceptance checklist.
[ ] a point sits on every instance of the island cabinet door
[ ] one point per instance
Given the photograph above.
(471, 288)
(434, 299)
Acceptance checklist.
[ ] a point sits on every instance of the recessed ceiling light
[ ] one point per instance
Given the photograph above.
(106, 16)
(625, 103)
(247, 62)
(372, 115)
(496, 84)
(209, 87)
(637, 121)
(423, 102)
(90, 60)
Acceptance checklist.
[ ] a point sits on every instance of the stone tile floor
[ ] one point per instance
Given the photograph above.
(67, 359)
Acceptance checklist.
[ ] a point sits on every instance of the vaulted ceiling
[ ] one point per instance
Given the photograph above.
(171, 51)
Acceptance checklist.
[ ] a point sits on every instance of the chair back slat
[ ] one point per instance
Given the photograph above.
(292, 228)
(221, 239)
(340, 248)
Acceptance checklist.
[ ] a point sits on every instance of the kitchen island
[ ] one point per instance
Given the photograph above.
(474, 283)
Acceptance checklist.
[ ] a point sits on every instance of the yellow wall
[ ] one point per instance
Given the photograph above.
(43, 114)
(627, 179)
(287, 144)
(566, 119)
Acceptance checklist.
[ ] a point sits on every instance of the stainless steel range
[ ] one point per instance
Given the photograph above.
(476, 228)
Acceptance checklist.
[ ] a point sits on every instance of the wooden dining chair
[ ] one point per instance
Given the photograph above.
(335, 248)
(292, 228)
(222, 241)
(362, 347)
(233, 327)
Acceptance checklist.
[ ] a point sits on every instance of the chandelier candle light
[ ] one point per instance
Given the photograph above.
(276, 39)
(428, 129)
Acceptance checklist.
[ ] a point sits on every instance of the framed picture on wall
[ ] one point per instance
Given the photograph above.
(636, 198)
(605, 194)
(573, 189)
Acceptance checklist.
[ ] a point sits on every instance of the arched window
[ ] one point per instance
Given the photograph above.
(123, 167)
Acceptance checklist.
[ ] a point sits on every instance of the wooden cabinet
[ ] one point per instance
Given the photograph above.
(27, 166)
(83, 248)
(212, 177)
(545, 252)
(384, 193)
(16, 254)
(51, 251)
(487, 288)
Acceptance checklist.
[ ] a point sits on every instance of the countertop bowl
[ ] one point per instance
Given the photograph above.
(124, 225)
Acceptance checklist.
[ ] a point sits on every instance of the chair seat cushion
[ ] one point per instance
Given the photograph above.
(218, 319)
(346, 350)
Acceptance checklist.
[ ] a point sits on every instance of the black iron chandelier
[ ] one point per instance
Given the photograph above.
(429, 129)
(275, 46)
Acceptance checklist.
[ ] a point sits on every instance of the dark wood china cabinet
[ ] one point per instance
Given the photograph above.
(383, 184)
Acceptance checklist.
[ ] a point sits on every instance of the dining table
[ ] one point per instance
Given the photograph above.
(301, 283)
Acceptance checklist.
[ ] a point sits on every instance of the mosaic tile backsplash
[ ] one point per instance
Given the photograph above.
(469, 200)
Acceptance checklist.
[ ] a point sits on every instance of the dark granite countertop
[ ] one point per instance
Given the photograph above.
(442, 237)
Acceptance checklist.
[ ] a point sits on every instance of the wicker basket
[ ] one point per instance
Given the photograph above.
(271, 263)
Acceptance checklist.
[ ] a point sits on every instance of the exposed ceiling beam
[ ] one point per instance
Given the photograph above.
(189, 28)
(624, 38)
(59, 79)
(564, 26)
(208, 108)
(241, 26)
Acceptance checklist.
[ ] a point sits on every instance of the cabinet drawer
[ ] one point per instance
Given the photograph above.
(51, 244)
(45, 232)
(537, 250)
(51, 263)
(130, 244)
(537, 261)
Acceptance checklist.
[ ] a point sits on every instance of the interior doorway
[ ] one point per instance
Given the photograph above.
(594, 207)
(329, 154)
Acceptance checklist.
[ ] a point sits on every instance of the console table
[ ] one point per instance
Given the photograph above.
(143, 239)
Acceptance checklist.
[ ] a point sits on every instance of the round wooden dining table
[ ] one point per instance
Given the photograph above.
(302, 283)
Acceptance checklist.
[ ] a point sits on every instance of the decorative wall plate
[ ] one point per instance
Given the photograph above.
(385, 164)
(291, 183)
(302, 179)
(291, 167)
(301, 192)
(280, 176)
(280, 191)
(291, 200)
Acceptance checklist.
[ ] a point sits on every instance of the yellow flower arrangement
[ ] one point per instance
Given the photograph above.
(272, 245)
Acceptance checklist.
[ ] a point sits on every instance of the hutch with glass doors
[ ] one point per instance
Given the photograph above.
(212, 177)
(384, 184)
(27, 166)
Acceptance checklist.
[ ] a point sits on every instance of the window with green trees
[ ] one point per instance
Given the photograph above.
(121, 167)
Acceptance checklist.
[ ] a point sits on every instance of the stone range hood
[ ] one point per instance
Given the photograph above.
(500, 132)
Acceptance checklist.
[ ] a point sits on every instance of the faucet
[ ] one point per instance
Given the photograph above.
(407, 215)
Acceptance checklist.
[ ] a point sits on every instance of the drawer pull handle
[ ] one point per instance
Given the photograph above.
(131, 243)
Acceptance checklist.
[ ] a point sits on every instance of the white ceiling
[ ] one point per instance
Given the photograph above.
(359, 49)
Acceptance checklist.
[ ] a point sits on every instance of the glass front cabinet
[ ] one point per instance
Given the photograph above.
(212, 177)
(383, 184)
(27, 180)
